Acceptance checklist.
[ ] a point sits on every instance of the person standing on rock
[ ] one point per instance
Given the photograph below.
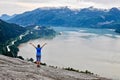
(38, 53)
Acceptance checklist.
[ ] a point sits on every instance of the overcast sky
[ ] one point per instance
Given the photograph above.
(18, 6)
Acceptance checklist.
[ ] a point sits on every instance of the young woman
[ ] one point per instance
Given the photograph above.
(38, 53)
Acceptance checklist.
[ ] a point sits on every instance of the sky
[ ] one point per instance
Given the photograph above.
(11, 7)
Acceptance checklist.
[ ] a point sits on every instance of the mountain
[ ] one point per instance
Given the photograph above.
(9, 30)
(86, 17)
(6, 17)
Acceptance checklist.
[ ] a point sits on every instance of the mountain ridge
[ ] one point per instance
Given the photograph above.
(6, 17)
(7, 30)
(86, 17)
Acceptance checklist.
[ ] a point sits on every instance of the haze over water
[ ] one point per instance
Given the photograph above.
(96, 50)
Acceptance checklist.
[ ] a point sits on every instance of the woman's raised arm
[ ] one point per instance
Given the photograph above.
(43, 45)
(32, 45)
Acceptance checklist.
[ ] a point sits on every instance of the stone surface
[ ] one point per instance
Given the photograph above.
(16, 69)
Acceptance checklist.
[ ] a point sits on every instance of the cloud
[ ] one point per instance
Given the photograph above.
(32, 1)
(70, 3)
(18, 6)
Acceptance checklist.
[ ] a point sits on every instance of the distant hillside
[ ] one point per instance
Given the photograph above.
(86, 17)
(35, 32)
(6, 17)
(8, 31)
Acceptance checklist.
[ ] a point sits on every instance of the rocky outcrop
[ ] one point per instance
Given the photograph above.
(16, 69)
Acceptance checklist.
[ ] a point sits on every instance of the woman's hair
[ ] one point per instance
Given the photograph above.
(38, 45)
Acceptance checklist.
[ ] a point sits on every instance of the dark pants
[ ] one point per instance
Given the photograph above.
(38, 57)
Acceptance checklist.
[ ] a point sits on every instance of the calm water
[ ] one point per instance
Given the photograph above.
(97, 50)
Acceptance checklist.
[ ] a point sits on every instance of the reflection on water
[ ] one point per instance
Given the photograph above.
(97, 50)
